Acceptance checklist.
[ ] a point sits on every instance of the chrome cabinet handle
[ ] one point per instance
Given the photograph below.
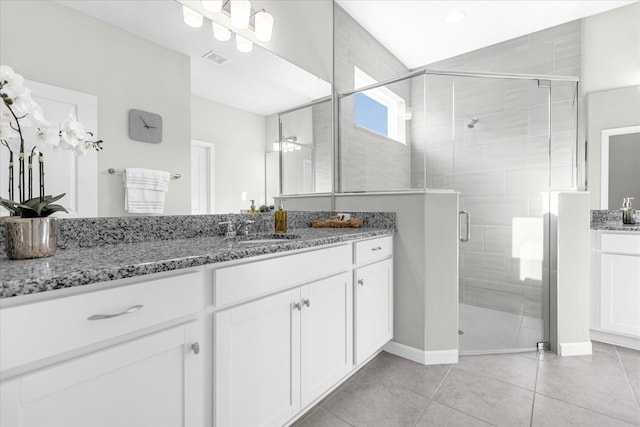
(468, 223)
(195, 347)
(307, 302)
(361, 282)
(377, 248)
(297, 306)
(122, 313)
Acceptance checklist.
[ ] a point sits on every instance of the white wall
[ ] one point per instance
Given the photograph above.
(611, 49)
(239, 140)
(50, 43)
(303, 33)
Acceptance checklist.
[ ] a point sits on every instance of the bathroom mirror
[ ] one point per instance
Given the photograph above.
(620, 171)
(612, 115)
(141, 55)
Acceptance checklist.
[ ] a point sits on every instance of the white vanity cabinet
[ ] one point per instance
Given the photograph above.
(122, 356)
(275, 355)
(616, 287)
(373, 290)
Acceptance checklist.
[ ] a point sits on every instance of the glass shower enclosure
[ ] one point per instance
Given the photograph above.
(503, 142)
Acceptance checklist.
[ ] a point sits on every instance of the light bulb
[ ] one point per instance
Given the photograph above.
(212, 5)
(455, 16)
(264, 26)
(240, 13)
(243, 45)
(191, 17)
(220, 32)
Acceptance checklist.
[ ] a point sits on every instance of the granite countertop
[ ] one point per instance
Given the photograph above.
(82, 266)
(611, 220)
(615, 226)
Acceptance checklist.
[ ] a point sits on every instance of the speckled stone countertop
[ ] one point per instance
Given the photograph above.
(611, 220)
(79, 265)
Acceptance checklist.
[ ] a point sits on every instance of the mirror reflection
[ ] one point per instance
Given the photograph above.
(217, 103)
(620, 174)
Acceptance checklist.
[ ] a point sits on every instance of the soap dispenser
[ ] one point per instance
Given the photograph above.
(628, 212)
(280, 217)
(253, 209)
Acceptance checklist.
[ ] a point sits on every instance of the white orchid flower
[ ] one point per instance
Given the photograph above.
(12, 79)
(42, 139)
(23, 103)
(72, 133)
(82, 148)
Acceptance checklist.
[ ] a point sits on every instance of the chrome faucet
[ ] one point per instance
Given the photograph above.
(243, 228)
(229, 229)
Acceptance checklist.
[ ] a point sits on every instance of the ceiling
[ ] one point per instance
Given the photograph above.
(416, 33)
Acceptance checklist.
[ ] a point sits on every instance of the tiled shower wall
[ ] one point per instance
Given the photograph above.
(500, 166)
(368, 161)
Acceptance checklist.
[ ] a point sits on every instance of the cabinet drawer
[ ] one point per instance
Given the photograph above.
(251, 280)
(372, 250)
(621, 243)
(35, 331)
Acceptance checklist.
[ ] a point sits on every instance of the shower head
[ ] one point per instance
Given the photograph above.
(473, 123)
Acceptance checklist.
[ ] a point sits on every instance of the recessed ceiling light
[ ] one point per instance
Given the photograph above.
(455, 16)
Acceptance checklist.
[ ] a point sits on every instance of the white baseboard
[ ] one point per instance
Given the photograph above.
(574, 348)
(425, 357)
(615, 339)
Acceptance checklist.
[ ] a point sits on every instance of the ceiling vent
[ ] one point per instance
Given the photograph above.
(212, 56)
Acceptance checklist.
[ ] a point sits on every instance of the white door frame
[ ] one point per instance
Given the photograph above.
(210, 148)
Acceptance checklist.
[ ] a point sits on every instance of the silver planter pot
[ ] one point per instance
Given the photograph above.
(30, 237)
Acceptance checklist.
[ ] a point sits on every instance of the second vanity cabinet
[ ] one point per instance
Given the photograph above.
(616, 287)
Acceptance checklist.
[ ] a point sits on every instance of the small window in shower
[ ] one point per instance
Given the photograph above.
(380, 110)
(371, 114)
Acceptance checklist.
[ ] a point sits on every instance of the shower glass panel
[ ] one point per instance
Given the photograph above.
(501, 148)
(381, 139)
(305, 149)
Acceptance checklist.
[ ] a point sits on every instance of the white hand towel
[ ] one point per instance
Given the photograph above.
(144, 190)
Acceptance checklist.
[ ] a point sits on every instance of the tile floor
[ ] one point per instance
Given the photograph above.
(522, 389)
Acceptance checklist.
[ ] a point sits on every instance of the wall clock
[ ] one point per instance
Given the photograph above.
(145, 126)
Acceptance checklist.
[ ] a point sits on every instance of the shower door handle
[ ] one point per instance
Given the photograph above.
(467, 222)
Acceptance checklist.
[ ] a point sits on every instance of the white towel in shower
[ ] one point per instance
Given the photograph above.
(144, 190)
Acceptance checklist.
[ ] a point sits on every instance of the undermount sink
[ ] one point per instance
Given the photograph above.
(267, 238)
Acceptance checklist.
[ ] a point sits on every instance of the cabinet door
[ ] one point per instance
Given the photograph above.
(327, 334)
(257, 362)
(150, 381)
(620, 293)
(373, 308)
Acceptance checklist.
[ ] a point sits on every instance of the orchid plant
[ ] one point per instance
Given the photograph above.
(26, 133)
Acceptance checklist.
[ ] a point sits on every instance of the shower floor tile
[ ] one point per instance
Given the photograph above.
(486, 330)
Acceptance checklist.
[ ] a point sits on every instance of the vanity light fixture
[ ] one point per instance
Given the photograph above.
(220, 32)
(235, 16)
(243, 44)
(455, 16)
(240, 13)
(263, 25)
(191, 17)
